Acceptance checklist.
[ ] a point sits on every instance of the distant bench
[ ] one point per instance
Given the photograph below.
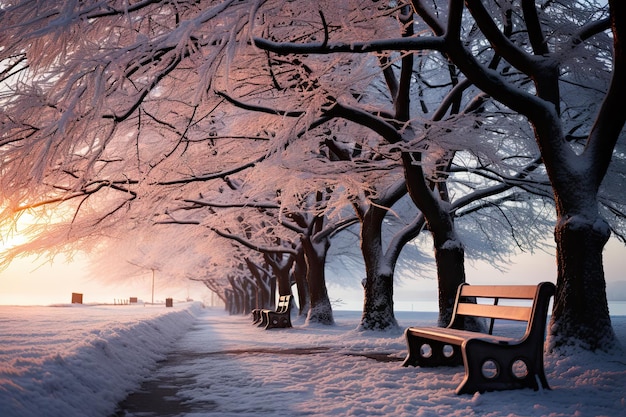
(281, 317)
(491, 362)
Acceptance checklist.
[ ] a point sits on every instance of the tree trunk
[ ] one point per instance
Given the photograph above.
(299, 272)
(378, 302)
(228, 300)
(248, 297)
(281, 269)
(449, 251)
(449, 258)
(238, 296)
(264, 288)
(581, 315)
(378, 311)
(315, 253)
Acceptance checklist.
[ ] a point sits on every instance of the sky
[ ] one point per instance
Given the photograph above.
(77, 361)
(420, 294)
(40, 281)
(32, 281)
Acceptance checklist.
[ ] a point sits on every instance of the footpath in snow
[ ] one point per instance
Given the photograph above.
(224, 366)
(221, 365)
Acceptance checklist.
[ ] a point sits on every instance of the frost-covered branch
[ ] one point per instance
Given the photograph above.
(400, 44)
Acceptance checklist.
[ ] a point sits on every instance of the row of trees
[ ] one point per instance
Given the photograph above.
(234, 142)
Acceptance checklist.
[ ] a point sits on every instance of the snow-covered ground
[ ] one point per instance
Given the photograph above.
(81, 361)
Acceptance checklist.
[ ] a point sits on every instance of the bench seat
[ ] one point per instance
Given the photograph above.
(457, 337)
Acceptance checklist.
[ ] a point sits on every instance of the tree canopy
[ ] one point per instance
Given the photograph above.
(266, 128)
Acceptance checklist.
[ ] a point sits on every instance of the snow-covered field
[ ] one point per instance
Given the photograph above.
(81, 361)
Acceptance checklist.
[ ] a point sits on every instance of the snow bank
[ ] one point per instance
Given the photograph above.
(81, 360)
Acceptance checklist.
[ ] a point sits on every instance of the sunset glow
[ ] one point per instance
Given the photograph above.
(42, 280)
(15, 234)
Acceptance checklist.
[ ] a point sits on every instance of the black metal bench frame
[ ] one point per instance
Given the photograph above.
(281, 317)
(491, 362)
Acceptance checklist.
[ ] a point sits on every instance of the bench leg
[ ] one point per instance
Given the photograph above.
(427, 353)
(490, 367)
(256, 315)
(264, 319)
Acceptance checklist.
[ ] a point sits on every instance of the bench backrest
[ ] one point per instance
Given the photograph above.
(534, 314)
(283, 303)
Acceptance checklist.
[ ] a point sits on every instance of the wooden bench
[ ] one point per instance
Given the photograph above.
(257, 313)
(492, 362)
(281, 317)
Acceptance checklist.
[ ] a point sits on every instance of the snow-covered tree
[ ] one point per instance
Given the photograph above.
(516, 34)
(107, 114)
(427, 132)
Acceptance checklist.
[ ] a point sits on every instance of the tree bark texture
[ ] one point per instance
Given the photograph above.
(580, 315)
(449, 258)
(282, 271)
(378, 286)
(264, 288)
(315, 253)
(299, 272)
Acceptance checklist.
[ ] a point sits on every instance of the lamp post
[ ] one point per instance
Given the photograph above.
(152, 285)
(144, 267)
